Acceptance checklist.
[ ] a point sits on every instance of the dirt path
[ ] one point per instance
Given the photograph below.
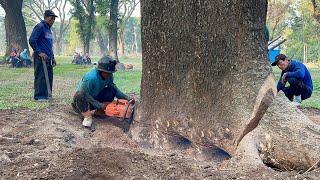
(51, 144)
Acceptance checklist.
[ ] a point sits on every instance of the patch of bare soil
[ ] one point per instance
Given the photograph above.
(312, 113)
(51, 144)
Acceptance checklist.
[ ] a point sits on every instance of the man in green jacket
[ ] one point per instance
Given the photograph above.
(96, 88)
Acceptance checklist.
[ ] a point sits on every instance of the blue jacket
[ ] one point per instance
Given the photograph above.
(92, 84)
(41, 39)
(296, 70)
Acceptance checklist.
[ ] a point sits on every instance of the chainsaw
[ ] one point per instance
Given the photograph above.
(122, 109)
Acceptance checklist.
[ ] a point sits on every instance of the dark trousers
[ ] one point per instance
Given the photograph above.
(40, 87)
(296, 88)
(15, 62)
(26, 62)
(82, 104)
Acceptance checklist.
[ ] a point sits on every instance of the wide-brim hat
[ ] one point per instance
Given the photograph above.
(107, 64)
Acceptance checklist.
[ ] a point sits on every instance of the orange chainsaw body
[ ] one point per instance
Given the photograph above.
(120, 108)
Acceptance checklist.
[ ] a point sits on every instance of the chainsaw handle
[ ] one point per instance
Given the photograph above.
(126, 111)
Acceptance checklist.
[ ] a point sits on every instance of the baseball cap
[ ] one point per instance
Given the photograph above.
(278, 58)
(49, 13)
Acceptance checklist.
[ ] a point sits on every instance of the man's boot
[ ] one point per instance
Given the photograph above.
(87, 121)
(297, 100)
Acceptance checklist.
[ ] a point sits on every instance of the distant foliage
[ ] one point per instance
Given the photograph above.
(294, 20)
(2, 40)
(84, 12)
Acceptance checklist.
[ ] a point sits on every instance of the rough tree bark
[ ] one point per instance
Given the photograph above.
(113, 33)
(206, 79)
(14, 24)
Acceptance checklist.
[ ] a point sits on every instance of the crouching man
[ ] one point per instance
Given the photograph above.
(298, 77)
(95, 89)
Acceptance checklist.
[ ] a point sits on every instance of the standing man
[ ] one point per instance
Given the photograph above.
(41, 42)
(297, 75)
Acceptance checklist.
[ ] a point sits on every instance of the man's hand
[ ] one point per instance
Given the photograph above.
(54, 63)
(43, 56)
(284, 78)
(132, 99)
(105, 105)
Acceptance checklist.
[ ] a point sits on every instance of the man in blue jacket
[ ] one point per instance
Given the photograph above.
(96, 88)
(297, 75)
(41, 42)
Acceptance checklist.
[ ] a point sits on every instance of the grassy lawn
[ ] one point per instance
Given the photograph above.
(16, 85)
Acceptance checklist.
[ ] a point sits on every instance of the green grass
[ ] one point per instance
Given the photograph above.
(16, 85)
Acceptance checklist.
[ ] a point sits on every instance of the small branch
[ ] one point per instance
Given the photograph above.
(315, 164)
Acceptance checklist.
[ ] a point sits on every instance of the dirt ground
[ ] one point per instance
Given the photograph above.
(51, 144)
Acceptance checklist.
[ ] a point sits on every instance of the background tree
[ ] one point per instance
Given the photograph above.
(37, 8)
(316, 10)
(102, 28)
(113, 32)
(294, 20)
(16, 35)
(278, 11)
(73, 38)
(303, 33)
(2, 34)
(84, 12)
(206, 81)
(127, 7)
(133, 35)
(102, 34)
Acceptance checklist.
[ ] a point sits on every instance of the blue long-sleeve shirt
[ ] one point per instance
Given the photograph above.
(92, 84)
(41, 39)
(296, 70)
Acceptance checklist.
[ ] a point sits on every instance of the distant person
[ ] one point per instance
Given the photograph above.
(74, 57)
(298, 77)
(96, 88)
(24, 56)
(86, 59)
(41, 43)
(14, 59)
(77, 58)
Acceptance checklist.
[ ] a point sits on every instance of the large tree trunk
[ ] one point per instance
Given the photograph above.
(86, 47)
(113, 33)
(206, 78)
(102, 43)
(135, 44)
(58, 46)
(16, 35)
(203, 61)
(121, 42)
